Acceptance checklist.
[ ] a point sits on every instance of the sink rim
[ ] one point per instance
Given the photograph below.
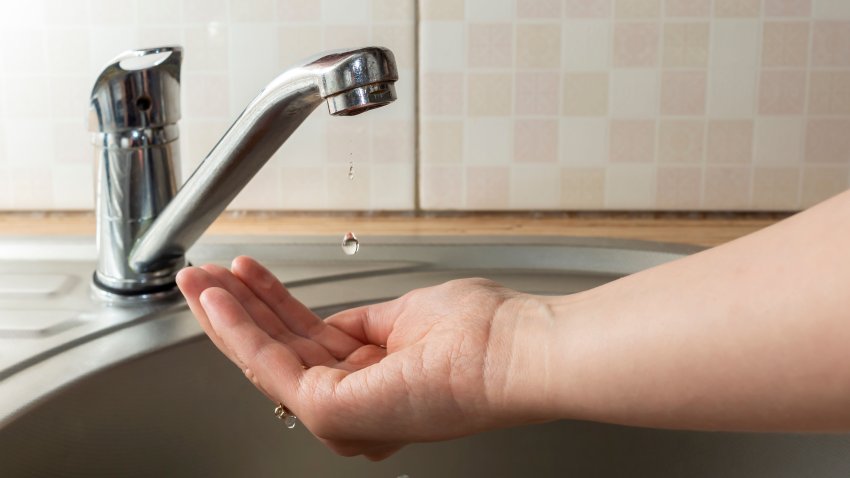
(159, 326)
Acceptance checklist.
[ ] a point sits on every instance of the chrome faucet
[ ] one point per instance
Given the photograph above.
(145, 225)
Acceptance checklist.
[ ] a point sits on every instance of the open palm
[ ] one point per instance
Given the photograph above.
(426, 366)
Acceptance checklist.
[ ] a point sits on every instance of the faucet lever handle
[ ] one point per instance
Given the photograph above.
(138, 89)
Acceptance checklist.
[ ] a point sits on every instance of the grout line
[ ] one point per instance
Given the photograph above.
(417, 120)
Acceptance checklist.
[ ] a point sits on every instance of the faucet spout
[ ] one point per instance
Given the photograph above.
(351, 82)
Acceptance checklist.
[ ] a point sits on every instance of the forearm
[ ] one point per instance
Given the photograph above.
(751, 335)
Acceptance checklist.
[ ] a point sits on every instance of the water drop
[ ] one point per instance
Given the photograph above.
(350, 244)
(351, 170)
(290, 420)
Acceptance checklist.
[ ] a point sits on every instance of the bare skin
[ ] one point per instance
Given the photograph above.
(751, 335)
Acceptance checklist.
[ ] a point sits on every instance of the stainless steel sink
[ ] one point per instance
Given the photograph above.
(92, 389)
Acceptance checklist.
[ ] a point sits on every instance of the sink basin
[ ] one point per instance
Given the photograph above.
(91, 389)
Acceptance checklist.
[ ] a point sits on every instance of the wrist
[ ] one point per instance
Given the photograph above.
(537, 331)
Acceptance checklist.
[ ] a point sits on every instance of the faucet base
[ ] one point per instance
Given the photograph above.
(159, 290)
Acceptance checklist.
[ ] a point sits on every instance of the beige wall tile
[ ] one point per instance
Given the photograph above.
(630, 187)
(32, 187)
(628, 9)
(536, 140)
(262, 192)
(537, 93)
(399, 39)
(779, 141)
(490, 45)
(687, 8)
(299, 10)
(443, 46)
(489, 140)
(442, 93)
(821, 183)
(737, 8)
(539, 8)
(727, 188)
(636, 44)
(735, 44)
(346, 194)
(490, 10)
(442, 141)
(831, 43)
(683, 92)
(635, 93)
(730, 141)
(538, 46)
(776, 188)
(584, 141)
(787, 8)
(73, 190)
(732, 93)
(535, 187)
(785, 44)
(206, 49)
(632, 141)
(390, 187)
(829, 93)
(782, 92)
(490, 94)
(252, 10)
(488, 188)
(685, 45)
(586, 45)
(681, 141)
(585, 94)
(831, 9)
(441, 9)
(828, 141)
(349, 141)
(678, 188)
(442, 187)
(582, 188)
(587, 8)
(392, 140)
(393, 10)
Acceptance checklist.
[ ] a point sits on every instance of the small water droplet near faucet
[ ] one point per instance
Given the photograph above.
(350, 244)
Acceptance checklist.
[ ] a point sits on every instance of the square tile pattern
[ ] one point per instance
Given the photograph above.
(232, 49)
(522, 104)
(634, 104)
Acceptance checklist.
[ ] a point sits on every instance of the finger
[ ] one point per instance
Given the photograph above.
(265, 318)
(276, 368)
(382, 452)
(371, 324)
(374, 451)
(363, 357)
(298, 317)
(312, 352)
(192, 281)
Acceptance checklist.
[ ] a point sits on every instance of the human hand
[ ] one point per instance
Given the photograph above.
(437, 363)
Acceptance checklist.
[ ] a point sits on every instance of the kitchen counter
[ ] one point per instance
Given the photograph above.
(703, 229)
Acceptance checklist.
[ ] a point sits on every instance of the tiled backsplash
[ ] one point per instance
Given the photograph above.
(232, 50)
(523, 104)
(634, 104)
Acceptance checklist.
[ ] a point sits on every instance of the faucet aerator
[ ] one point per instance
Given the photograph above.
(361, 99)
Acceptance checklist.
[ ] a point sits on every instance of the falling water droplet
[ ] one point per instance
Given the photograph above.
(290, 420)
(350, 244)
(351, 170)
